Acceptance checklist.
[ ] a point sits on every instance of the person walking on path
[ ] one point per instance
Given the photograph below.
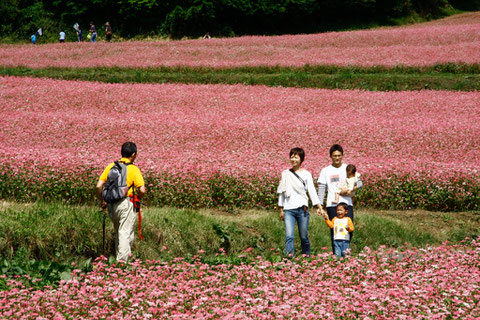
(293, 202)
(76, 26)
(93, 32)
(331, 179)
(108, 32)
(122, 212)
(62, 37)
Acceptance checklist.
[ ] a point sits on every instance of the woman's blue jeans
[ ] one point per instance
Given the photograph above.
(301, 217)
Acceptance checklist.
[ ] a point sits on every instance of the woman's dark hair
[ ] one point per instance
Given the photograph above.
(351, 169)
(336, 147)
(128, 148)
(298, 151)
(344, 205)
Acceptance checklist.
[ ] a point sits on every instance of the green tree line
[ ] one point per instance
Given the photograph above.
(192, 18)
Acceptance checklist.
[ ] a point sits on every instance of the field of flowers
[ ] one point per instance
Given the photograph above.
(225, 145)
(448, 41)
(432, 283)
(204, 144)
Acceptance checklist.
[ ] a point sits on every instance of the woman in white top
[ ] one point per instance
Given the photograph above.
(293, 201)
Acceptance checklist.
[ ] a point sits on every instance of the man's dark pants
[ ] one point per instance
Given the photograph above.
(332, 213)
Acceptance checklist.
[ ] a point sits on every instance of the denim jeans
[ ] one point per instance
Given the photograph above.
(340, 246)
(332, 213)
(94, 37)
(301, 217)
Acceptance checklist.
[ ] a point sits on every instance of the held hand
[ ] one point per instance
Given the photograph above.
(103, 205)
(321, 212)
(281, 214)
(325, 215)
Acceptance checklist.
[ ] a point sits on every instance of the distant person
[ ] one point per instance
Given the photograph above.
(108, 32)
(207, 35)
(93, 32)
(33, 37)
(62, 37)
(330, 180)
(293, 202)
(122, 212)
(349, 184)
(341, 226)
(76, 26)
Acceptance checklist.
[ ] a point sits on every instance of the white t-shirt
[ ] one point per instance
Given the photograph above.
(62, 35)
(334, 178)
(298, 200)
(340, 229)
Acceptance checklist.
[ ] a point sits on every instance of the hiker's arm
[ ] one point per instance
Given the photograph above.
(100, 184)
(141, 191)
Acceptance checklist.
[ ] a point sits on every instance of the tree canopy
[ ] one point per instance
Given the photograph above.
(193, 18)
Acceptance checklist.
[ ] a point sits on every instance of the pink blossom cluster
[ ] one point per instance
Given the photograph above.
(236, 130)
(418, 45)
(431, 283)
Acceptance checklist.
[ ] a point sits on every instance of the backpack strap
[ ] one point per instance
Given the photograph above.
(127, 164)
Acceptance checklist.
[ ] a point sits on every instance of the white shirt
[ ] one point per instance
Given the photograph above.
(62, 35)
(334, 178)
(340, 229)
(296, 199)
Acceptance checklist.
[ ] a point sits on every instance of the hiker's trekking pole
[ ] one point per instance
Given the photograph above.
(104, 217)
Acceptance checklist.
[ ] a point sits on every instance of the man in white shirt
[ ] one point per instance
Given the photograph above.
(330, 179)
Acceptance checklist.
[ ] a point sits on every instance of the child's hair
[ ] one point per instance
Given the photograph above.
(344, 205)
(299, 152)
(351, 169)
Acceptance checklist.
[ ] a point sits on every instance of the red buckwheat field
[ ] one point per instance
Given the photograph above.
(222, 148)
(419, 45)
(431, 283)
(198, 132)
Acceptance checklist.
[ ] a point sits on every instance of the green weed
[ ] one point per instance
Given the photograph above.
(438, 77)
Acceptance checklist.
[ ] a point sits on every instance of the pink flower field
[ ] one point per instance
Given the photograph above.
(237, 130)
(446, 41)
(433, 283)
(197, 132)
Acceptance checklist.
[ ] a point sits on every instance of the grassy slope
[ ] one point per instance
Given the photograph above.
(63, 233)
(439, 77)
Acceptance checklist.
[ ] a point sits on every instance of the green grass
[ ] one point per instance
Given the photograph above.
(42, 240)
(62, 232)
(438, 77)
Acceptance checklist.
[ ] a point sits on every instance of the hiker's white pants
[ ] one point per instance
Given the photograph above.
(123, 218)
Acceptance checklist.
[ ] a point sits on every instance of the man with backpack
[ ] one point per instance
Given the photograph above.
(119, 188)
